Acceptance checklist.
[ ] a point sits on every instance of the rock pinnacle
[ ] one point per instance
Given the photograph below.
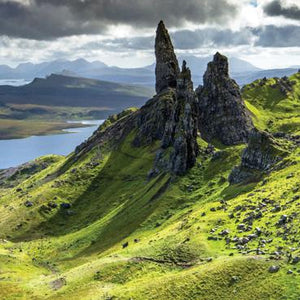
(167, 68)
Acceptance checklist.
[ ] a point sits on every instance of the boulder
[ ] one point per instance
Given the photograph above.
(65, 205)
(274, 269)
(28, 204)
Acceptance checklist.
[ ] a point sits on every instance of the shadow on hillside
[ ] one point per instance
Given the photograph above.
(110, 209)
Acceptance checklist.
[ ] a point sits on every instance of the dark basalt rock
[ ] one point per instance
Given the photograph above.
(181, 130)
(223, 115)
(274, 269)
(171, 117)
(167, 68)
(262, 153)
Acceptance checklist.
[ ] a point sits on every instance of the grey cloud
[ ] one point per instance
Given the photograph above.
(48, 19)
(41, 21)
(211, 37)
(276, 8)
(272, 36)
(182, 39)
(267, 36)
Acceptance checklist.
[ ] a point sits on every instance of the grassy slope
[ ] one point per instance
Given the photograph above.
(77, 253)
(272, 109)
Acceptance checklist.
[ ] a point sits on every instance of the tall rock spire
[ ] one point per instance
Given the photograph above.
(167, 68)
(171, 116)
(223, 114)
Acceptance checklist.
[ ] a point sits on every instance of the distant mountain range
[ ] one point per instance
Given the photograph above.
(242, 71)
(60, 90)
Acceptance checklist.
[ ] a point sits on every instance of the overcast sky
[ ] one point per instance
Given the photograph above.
(121, 32)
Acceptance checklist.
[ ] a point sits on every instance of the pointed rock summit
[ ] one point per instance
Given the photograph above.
(223, 115)
(171, 116)
(167, 68)
(173, 119)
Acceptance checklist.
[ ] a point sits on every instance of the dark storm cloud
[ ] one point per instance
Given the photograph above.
(276, 8)
(41, 21)
(272, 36)
(48, 19)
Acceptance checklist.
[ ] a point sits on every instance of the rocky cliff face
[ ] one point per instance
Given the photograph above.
(223, 115)
(174, 116)
(180, 134)
(171, 116)
(167, 68)
(261, 154)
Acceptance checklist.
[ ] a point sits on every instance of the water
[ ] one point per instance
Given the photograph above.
(14, 82)
(18, 151)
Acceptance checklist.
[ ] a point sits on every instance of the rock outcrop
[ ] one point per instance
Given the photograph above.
(172, 118)
(261, 154)
(172, 115)
(167, 68)
(223, 115)
(181, 130)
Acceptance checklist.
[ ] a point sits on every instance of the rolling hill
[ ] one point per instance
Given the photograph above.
(193, 196)
(241, 70)
(60, 90)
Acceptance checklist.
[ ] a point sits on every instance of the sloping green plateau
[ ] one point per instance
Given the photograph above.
(78, 253)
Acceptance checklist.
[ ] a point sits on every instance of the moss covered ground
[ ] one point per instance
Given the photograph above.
(100, 229)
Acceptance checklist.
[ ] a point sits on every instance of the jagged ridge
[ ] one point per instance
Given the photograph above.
(177, 115)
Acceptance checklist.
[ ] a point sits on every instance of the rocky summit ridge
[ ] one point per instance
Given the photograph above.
(177, 115)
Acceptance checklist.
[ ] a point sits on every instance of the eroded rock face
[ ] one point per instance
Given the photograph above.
(181, 131)
(262, 151)
(172, 118)
(223, 115)
(261, 154)
(167, 68)
(172, 115)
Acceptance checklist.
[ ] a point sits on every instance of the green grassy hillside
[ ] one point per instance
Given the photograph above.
(60, 90)
(44, 105)
(275, 103)
(92, 226)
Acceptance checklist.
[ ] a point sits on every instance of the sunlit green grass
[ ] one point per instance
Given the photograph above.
(129, 237)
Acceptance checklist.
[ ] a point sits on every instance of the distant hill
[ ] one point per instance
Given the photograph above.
(60, 90)
(29, 71)
(198, 66)
(242, 71)
(80, 67)
(248, 77)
